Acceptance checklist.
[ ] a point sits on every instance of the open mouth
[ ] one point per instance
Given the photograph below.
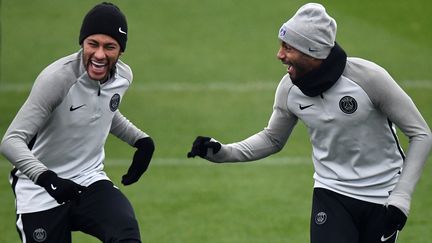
(98, 66)
(290, 69)
(289, 66)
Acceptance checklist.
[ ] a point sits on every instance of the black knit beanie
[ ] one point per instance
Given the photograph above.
(105, 18)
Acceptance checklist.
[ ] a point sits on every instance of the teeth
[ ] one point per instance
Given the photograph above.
(98, 64)
(291, 69)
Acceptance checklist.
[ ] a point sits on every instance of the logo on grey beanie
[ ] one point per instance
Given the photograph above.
(282, 32)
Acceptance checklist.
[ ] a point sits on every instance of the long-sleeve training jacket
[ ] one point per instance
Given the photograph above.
(70, 117)
(355, 149)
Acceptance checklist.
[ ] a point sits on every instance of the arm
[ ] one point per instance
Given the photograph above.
(129, 133)
(125, 130)
(269, 141)
(400, 109)
(46, 94)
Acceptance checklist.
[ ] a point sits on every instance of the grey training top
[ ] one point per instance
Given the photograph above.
(72, 116)
(351, 126)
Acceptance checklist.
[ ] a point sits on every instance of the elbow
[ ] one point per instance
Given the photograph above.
(10, 147)
(278, 145)
(146, 144)
(427, 138)
(3, 146)
(429, 141)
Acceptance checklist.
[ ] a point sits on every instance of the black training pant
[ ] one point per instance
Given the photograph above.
(102, 211)
(337, 218)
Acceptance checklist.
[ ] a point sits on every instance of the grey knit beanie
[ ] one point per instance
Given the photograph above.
(311, 30)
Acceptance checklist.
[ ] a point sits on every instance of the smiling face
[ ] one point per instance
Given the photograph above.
(298, 63)
(100, 53)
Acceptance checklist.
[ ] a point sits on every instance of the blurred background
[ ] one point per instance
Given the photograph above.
(206, 67)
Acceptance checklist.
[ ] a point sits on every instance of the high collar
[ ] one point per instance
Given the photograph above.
(321, 79)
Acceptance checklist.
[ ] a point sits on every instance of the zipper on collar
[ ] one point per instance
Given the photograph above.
(99, 90)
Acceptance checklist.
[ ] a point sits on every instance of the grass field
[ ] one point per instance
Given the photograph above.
(209, 68)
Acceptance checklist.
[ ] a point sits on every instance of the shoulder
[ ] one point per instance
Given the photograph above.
(372, 78)
(285, 85)
(66, 65)
(124, 70)
(64, 69)
(361, 70)
(282, 91)
(59, 75)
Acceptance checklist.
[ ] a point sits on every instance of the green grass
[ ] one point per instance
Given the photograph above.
(209, 68)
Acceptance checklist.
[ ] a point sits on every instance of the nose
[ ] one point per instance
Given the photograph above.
(280, 54)
(99, 53)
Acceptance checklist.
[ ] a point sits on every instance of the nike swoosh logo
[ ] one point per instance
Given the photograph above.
(312, 50)
(53, 187)
(121, 31)
(384, 239)
(304, 107)
(74, 108)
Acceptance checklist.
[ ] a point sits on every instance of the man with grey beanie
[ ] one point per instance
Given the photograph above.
(56, 141)
(364, 181)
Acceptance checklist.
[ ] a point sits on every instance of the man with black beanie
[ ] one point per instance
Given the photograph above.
(56, 141)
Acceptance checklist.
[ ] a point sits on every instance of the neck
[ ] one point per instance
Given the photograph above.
(325, 75)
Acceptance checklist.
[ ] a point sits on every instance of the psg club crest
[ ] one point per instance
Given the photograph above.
(348, 104)
(114, 102)
(320, 218)
(39, 235)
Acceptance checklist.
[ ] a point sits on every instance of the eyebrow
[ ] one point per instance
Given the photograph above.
(105, 44)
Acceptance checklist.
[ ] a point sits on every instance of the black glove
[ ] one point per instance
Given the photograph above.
(201, 145)
(394, 220)
(62, 190)
(141, 160)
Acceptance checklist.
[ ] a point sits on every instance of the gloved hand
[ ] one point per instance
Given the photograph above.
(62, 190)
(201, 145)
(141, 160)
(394, 221)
